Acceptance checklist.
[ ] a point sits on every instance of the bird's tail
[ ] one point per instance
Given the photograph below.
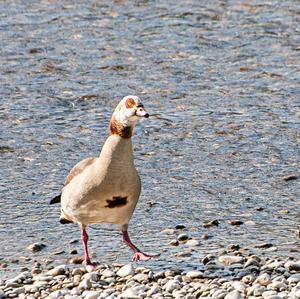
(56, 199)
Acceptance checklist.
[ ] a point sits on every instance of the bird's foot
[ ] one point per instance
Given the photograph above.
(89, 263)
(140, 256)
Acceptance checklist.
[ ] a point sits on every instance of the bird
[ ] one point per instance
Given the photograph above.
(106, 189)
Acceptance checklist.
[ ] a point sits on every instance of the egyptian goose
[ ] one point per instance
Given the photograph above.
(106, 189)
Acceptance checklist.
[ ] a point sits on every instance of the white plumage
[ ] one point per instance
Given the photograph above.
(106, 189)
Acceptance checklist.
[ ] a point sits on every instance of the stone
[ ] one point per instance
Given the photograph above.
(294, 278)
(108, 273)
(59, 270)
(130, 294)
(92, 276)
(192, 243)
(235, 222)
(180, 226)
(277, 285)
(251, 262)
(19, 291)
(140, 277)
(292, 266)
(153, 290)
(269, 293)
(211, 223)
(195, 274)
(126, 270)
(234, 295)
(92, 294)
(263, 245)
(77, 271)
(35, 247)
(174, 242)
(230, 259)
(85, 284)
(264, 279)
(183, 237)
(90, 268)
(172, 285)
(239, 286)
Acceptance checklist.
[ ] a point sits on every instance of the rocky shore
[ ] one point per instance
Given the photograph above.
(233, 274)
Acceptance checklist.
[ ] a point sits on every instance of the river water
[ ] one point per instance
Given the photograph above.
(221, 81)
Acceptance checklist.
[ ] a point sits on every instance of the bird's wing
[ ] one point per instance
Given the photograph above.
(77, 169)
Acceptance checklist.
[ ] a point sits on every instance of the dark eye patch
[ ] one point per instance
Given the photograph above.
(140, 106)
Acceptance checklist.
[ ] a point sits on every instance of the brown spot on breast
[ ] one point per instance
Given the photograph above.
(116, 202)
(130, 103)
(117, 128)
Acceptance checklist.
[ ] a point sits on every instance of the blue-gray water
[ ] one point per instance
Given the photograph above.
(221, 80)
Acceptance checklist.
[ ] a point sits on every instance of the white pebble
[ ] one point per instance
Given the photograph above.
(234, 295)
(91, 294)
(92, 276)
(140, 277)
(153, 290)
(108, 273)
(230, 259)
(85, 284)
(264, 279)
(59, 270)
(239, 286)
(192, 243)
(126, 270)
(194, 274)
(172, 285)
(130, 294)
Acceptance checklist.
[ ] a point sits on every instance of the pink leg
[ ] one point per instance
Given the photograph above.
(138, 254)
(85, 238)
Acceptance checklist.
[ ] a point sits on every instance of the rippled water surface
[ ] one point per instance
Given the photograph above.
(221, 82)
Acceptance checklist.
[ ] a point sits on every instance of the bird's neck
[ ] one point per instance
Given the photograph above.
(116, 151)
(118, 128)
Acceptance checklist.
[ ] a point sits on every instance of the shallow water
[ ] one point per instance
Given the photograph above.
(221, 82)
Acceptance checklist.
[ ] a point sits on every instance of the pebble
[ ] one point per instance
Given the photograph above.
(263, 279)
(35, 247)
(130, 294)
(235, 222)
(194, 274)
(211, 223)
(182, 237)
(238, 275)
(230, 259)
(192, 243)
(234, 295)
(125, 270)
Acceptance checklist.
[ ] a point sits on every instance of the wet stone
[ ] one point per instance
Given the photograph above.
(35, 247)
(230, 259)
(183, 237)
(235, 222)
(208, 224)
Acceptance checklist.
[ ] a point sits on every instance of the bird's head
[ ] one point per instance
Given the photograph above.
(126, 114)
